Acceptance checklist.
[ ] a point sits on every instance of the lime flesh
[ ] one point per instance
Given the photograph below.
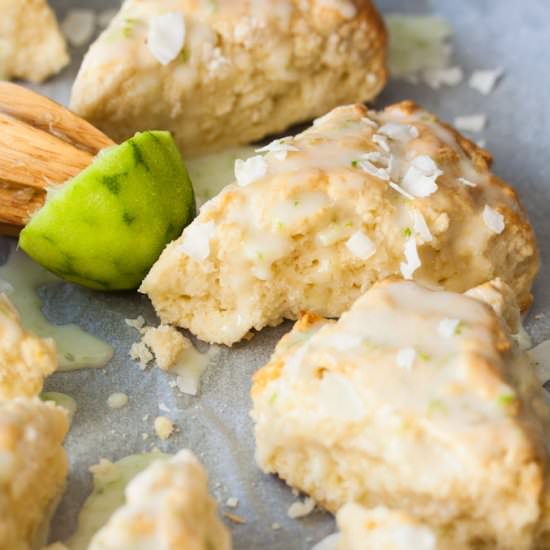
(106, 227)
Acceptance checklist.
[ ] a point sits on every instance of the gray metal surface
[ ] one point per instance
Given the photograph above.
(488, 34)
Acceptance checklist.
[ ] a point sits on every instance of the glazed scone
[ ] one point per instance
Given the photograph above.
(416, 400)
(25, 359)
(383, 529)
(358, 197)
(167, 508)
(230, 71)
(33, 468)
(31, 44)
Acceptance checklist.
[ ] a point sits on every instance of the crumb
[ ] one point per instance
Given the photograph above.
(539, 316)
(163, 408)
(234, 518)
(450, 76)
(232, 502)
(275, 526)
(141, 353)
(485, 81)
(117, 400)
(300, 509)
(167, 345)
(138, 323)
(146, 417)
(164, 427)
(144, 436)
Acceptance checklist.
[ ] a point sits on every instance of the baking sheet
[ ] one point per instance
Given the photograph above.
(215, 425)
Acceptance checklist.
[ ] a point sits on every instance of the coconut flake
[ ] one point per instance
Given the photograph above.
(280, 148)
(421, 228)
(450, 76)
(166, 36)
(493, 220)
(377, 157)
(79, 26)
(466, 182)
(412, 260)
(400, 190)
(471, 123)
(420, 178)
(360, 245)
(250, 170)
(300, 509)
(196, 240)
(370, 168)
(399, 132)
(382, 142)
(405, 358)
(447, 327)
(484, 81)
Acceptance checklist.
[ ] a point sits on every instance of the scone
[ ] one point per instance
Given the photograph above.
(230, 71)
(33, 468)
(416, 400)
(167, 508)
(31, 44)
(383, 529)
(322, 216)
(25, 359)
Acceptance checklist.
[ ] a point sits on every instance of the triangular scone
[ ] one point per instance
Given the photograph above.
(416, 400)
(167, 507)
(31, 44)
(323, 216)
(217, 73)
(33, 468)
(25, 359)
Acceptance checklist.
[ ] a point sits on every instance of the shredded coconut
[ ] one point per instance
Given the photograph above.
(412, 261)
(373, 170)
(400, 190)
(79, 26)
(421, 176)
(405, 358)
(360, 245)
(493, 220)
(467, 182)
(232, 502)
(279, 148)
(471, 123)
(399, 132)
(484, 81)
(421, 227)
(450, 76)
(447, 327)
(382, 142)
(301, 509)
(250, 170)
(196, 240)
(166, 36)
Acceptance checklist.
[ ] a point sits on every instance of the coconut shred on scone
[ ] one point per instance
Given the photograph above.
(315, 220)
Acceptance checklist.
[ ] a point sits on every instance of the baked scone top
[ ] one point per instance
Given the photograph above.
(247, 69)
(25, 359)
(322, 216)
(415, 399)
(167, 507)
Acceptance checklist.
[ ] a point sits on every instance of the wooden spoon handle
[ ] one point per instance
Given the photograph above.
(42, 144)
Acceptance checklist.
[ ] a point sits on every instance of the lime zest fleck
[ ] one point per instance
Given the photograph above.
(355, 163)
(407, 232)
(296, 203)
(436, 405)
(273, 398)
(423, 356)
(506, 399)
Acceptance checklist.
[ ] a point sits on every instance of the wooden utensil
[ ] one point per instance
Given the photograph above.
(42, 144)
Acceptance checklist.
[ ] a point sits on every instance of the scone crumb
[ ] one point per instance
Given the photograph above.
(300, 509)
(450, 76)
(275, 526)
(117, 400)
(140, 352)
(138, 323)
(484, 81)
(232, 502)
(164, 427)
(234, 518)
(79, 26)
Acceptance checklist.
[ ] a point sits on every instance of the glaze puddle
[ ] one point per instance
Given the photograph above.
(20, 279)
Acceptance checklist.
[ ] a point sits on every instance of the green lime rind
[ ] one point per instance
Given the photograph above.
(107, 226)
